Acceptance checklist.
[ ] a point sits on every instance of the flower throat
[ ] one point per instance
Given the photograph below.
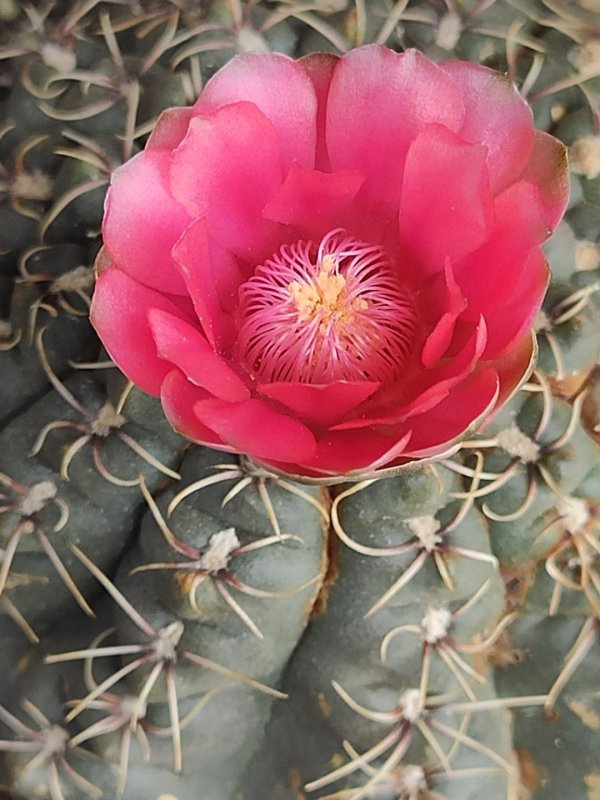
(316, 314)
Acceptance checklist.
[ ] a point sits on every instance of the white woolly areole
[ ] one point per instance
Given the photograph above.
(584, 156)
(165, 644)
(54, 740)
(574, 513)
(35, 185)
(37, 497)
(449, 31)
(79, 278)
(220, 547)
(518, 445)
(108, 419)
(59, 58)
(587, 256)
(250, 41)
(412, 781)
(410, 703)
(425, 529)
(133, 707)
(435, 624)
(587, 57)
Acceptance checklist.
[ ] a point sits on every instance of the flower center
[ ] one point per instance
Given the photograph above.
(333, 312)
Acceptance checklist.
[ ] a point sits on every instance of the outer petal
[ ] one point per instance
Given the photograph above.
(321, 404)
(257, 429)
(488, 276)
(178, 397)
(511, 322)
(314, 202)
(170, 129)
(378, 102)
(446, 209)
(496, 116)
(225, 170)
(426, 389)
(514, 367)
(119, 314)
(449, 373)
(281, 89)
(440, 337)
(455, 415)
(320, 67)
(549, 171)
(139, 234)
(180, 343)
(341, 453)
(208, 274)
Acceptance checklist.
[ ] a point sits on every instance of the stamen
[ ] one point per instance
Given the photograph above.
(332, 312)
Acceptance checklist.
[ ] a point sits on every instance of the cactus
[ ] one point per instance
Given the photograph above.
(181, 623)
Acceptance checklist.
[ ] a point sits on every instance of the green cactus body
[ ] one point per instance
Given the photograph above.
(177, 623)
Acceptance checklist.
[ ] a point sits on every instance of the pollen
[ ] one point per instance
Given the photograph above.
(327, 298)
(335, 311)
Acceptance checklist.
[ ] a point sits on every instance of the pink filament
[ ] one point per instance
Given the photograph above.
(367, 335)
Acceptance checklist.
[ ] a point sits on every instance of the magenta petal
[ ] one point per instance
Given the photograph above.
(320, 67)
(549, 171)
(348, 451)
(514, 366)
(435, 431)
(454, 370)
(314, 202)
(322, 404)
(185, 347)
(438, 340)
(378, 102)
(281, 89)
(236, 170)
(427, 399)
(511, 321)
(119, 314)
(488, 276)
(497, 116)
(446, 209)
(257, 429)
(428, 389)
(170, 129)
(200, 262)
(139, 234)
(178, 397)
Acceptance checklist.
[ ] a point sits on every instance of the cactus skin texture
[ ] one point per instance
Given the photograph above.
(176, 623)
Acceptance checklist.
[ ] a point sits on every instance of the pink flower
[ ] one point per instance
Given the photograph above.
(332, 265)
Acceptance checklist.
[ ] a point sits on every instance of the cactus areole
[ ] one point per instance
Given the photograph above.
(332, 265)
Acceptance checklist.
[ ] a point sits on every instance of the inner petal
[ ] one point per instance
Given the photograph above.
(316, 313)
